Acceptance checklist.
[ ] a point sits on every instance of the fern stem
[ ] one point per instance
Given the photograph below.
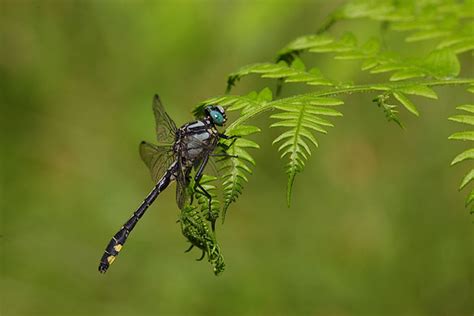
(330, 21)
(348, 90)
(293, 169)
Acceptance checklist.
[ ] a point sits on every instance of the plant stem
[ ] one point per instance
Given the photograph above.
(349, 90)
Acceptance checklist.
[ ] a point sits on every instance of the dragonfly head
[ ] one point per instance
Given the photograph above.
(216, 114)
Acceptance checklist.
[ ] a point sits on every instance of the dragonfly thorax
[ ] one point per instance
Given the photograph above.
(196, 139)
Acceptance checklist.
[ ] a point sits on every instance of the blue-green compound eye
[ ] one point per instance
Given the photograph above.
(217, 117)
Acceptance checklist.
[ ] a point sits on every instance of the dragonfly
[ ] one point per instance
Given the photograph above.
(178, 152)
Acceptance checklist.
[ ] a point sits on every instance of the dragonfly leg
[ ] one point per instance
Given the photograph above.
(199, 174)
(224, 136)
(228, 137)
(224, 155)
(200, 189)
(226, 147)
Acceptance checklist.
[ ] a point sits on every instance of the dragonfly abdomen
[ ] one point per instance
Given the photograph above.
(116, 243)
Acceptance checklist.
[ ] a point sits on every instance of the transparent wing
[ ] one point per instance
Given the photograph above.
(182, 185)
(156, 158)
(183, 174)
(165, 127)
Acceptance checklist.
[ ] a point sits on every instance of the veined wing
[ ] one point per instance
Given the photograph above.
(157, 158)
(165, 126)
(183, 172)
(182, 185)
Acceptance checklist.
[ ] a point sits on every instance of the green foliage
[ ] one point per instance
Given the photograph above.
(467, 119)
(448, 25)
(235, 170)
(440, 66)
(203, 202)
(447, 22)
(389, 109)
(439, 63)
(234, 103)
(294, 73)
(194, 225)
(302, 117)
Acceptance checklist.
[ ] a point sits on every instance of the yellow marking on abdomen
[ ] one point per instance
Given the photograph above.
(118, 247)
(110, 259)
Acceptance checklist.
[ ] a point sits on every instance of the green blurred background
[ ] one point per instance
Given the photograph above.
(376, 227)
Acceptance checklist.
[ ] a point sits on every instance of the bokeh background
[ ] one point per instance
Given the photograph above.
(376, 227)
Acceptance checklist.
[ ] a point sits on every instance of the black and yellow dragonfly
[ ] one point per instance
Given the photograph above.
(178, 152)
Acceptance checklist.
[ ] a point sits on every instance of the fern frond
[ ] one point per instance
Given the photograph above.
(243, 103)
(303, 117)
(226, 101)
(303, 43)
(447, 22)
(295, 72)
(406, 102)
(399, 94)
(196, 230)
(203, 202)
(419, 90)
(389, 109)
(469, 153)
(439, 63)
(376, 9)
(235, 170)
